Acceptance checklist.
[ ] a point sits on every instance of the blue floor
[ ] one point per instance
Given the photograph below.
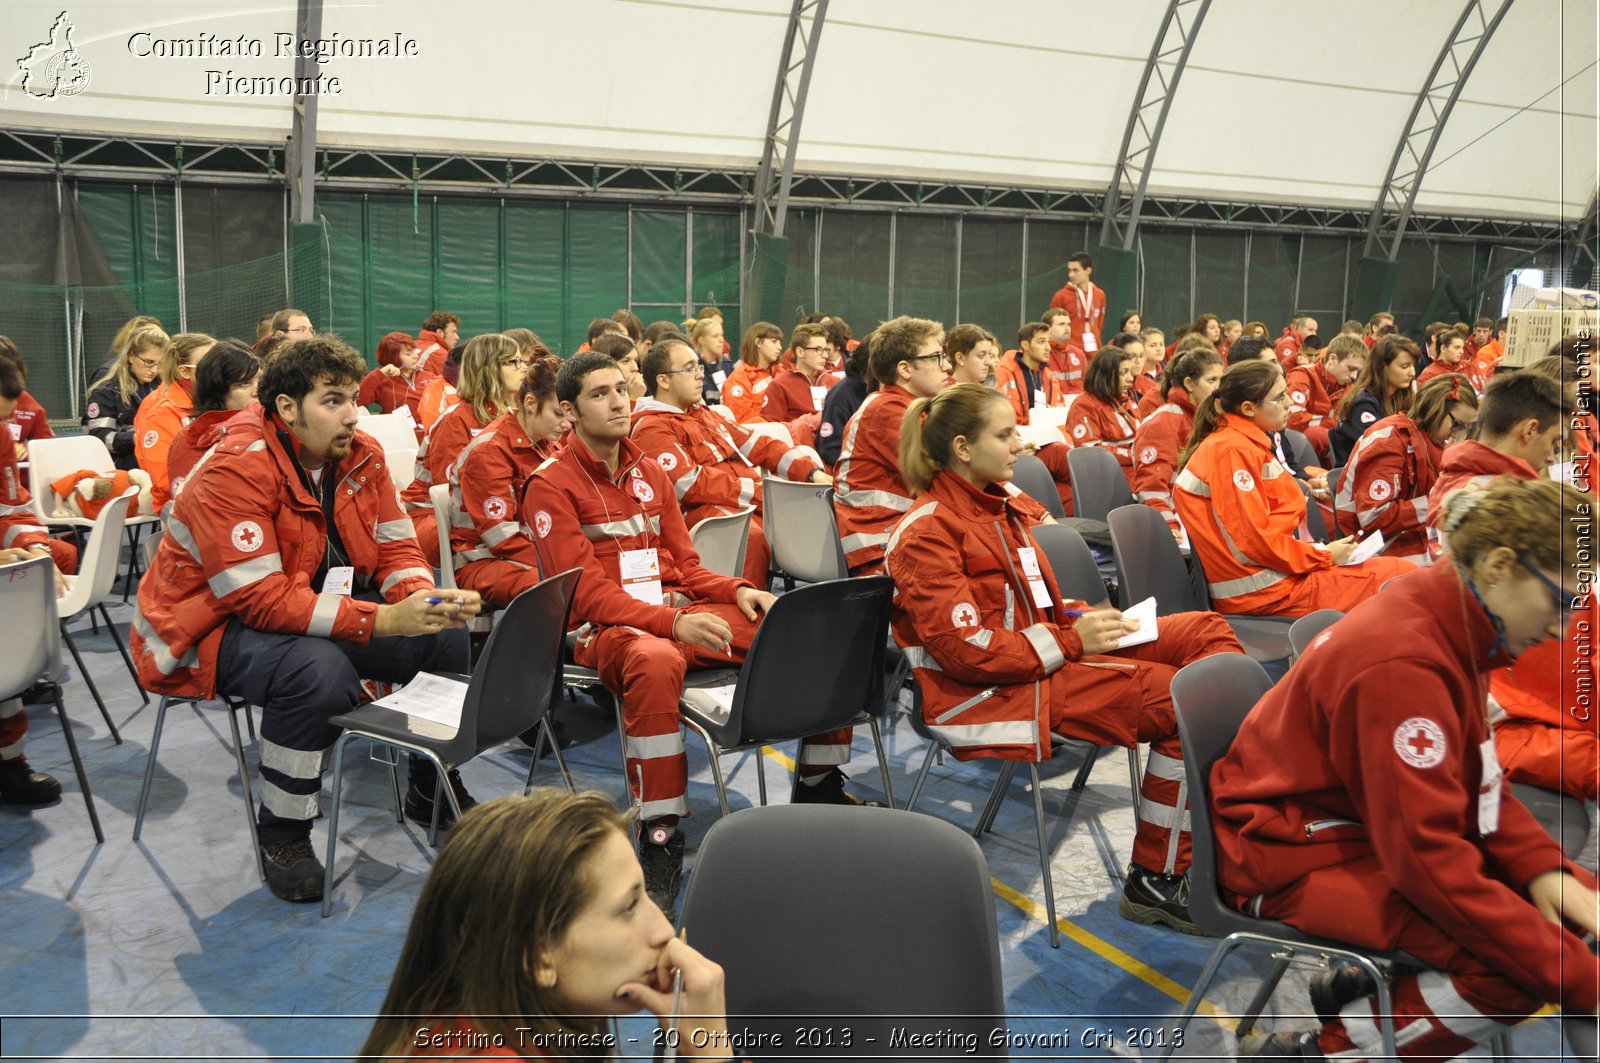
(172, 948)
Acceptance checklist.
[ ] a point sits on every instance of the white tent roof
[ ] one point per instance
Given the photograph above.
(1281, 102)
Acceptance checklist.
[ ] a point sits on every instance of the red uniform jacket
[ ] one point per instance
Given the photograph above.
(1242, 508)
(1087, 312)
(1482, 364)
(433, 351)
(869, 495)
(485, 482)
(582, 514)
(1363, 728)
(790, 395)
(441, 447)
(1011, 382)
(1067, 364)
(1091, 423)
(1385, 486)
(1149, 403)
(392, 392)
(1312, 396)
(1470, 462)
(161, 417)
(1437, 368)
(437, 398)
(19, 526)
(712, 462)
(246, 538)
(30, 420)
(986, 657)
(1288, 349)
(1144, 382)
(745, 391)
(199, 436)
(1156, 445)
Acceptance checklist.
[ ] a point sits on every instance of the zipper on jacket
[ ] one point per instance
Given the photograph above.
(965, 705)
(1316, 825)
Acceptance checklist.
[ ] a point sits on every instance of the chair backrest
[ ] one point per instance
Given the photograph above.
(772, 430)
(723, 410)
(443, 514)
(1033, 479)
(33, 632)
(851, 618)
(1212, 697)
(97, 565)
(391, 430)
(1071, 560)
(1335, 474)
(1300, 448)
(1148, 561)
(1314, 522)
(721, 542)
(513, 684)
(1098, 482)
(51, 459)
(1308, 627)
(926, 961)
(798, 521)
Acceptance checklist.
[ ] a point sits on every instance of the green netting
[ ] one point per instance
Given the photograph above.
(1274, 262)
(991, 275)
(1165, 256)
(1220, 277)
(926, 268)
(855, 268)
(1324, 291)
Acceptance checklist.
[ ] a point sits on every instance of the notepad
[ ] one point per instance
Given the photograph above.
(1145, 613)
(1368, 547)
(429, 697)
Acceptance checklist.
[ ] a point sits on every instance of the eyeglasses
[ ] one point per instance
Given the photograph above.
(1558, 597)
(148, 363)
(1458, 428)
(1277, 400)
(941, 356)
(519, 362)
(695, 368)
(813, 350)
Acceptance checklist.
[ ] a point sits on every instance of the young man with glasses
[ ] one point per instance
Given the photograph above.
(715, 465)
(798, 392)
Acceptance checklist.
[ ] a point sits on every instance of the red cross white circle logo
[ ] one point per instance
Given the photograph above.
(247, 536)
(1420, 742)
(1378, 490)
(494, 507)
(642, 491)
(541, 523)
(964, 615)
(1147, 455)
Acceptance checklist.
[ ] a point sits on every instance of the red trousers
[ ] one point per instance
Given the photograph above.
(498, 582)
(1342, 587)
(1552, 757)
(1438, 1013)
(647, 672)
(13, 728)
(1055, 459)
(1124, 698)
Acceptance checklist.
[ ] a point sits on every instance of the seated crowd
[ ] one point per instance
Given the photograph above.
(293, 577)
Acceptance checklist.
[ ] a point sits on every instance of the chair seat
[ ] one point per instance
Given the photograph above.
(1264, 638)
(381, 722)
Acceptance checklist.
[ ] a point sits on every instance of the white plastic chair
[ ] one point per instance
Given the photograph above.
(780, 432)
(398, 439)
(33, 651)
(88, 590)
(801, 530)
(56, 457)
(443, 513)
(721, 542)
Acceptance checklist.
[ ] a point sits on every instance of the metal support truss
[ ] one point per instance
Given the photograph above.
(1580, 257)
(302, 160)
(1398, 194)
(1125, 197)
(774, 175)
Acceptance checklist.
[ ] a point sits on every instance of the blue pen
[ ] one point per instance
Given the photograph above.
(439, 601)
(1076, 613)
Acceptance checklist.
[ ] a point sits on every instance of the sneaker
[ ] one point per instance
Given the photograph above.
(293, 871)
(661, 856)
(41, 693)
(1151, 897)
(829, 791)
(1331, 990)
(21, 785)
(1284, 1045)
(419, 800)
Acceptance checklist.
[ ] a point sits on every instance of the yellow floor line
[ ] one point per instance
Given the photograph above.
(1097, 945)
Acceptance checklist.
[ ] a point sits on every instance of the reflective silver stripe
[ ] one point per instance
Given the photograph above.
(1159, 815)
(1271, 470)
(863, 541)
(813, 752)
(794, 454)
(393, 531)
(918, 657)
(1044, 644)
(180, 534)
(651, 747)
(22, 529)
(1367, 517)
(1451, 1011)
(500, 533)
(999, 733)
(295, 763)
(671, 806)
(615, 529)
(462, 558)
(323, 615)
(847, 450)
(681, 485)
(237, 577)
(260, 444)
(10, 707)
(1233, 547)
(1154, 496)
(1192, 484)
(405, 573)
(283, 804)
(1164, 767)
(159, 652)
(15, 511)
(1233, 588)
(107, 423)
(747, 492)
(882, 499)
(981, 638)
(1011, 609)
(14, 750)
(907, 521)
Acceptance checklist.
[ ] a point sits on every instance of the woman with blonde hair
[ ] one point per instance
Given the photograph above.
(533, 929)
(705, 336)
(164, 411)
(114, 401)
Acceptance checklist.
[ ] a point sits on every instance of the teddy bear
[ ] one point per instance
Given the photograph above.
(85, 493)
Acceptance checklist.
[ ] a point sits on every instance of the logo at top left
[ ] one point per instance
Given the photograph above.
(55, 67)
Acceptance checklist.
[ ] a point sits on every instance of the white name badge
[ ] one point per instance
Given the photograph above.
(719, 377)
(1489, 789)
(817, 395)
(1089, 343)
(16, 431)
(339, 580)
(641, 575)
(1038, 398)
(1030, 569)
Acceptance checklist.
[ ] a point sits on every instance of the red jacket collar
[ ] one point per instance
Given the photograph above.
(1472, 456)
(628, 455)
(973, 503)
(1248, 429)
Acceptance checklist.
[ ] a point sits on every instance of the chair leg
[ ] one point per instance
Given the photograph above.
(77, 766)
(761, 776)
(883, 761)
(150, 764)
(244, 782)
(333, 823)
(1258, 1003)
(922, 777)
(250, 722)
(1044, 855)
(1135, 780)
(134, 533)
(123, 649)
(394, 788)
(1198, 993)
(991, 807)
(1080, 780)
(66, 636)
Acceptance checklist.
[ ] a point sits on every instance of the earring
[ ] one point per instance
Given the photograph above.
(546, 978)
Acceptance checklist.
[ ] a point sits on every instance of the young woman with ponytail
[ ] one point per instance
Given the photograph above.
(1188, 379)
(1246, 516)
(1002, 659)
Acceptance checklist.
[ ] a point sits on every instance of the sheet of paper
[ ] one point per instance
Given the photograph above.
(1145, 613)
(1366, 548)
(429, 697)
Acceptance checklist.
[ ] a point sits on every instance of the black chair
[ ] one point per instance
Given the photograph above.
(1212, 697)
(1566, 818)
(1300, 448)
(926, 962)
(1033, 479)
(1098, 483)
(1314, 522)
(1305, 630)
(785, 691)
(511, 690)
